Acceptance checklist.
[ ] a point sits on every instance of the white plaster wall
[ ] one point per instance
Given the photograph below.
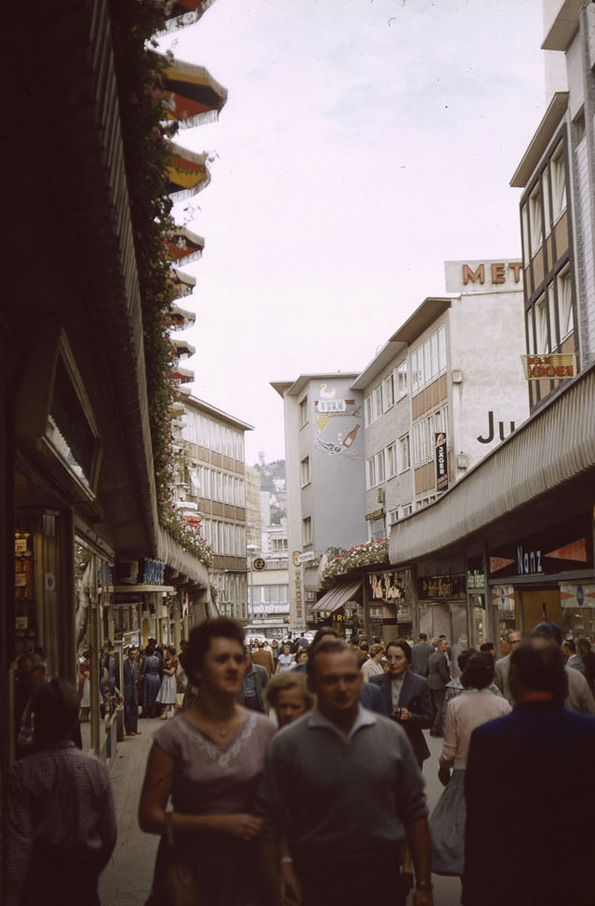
(487, 339)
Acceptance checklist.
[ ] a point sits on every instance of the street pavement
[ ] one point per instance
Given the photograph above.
(126, 880)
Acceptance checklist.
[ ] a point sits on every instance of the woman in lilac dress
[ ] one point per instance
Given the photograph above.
(208, 761)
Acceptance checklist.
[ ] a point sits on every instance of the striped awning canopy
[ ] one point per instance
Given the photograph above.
(195, 96)
(337, 596)
(184, 245)
(187, 172)
(181, 317)
(182, 348)
(183, 284)
(181, 13)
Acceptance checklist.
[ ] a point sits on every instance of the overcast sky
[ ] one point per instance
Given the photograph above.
(364, 143)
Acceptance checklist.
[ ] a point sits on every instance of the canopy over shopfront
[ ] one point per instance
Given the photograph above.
(196, 97)
(337, 597)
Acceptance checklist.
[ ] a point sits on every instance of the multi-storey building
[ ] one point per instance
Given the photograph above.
(445, 390)
(213, 493)
(325, 478)
(512, 543)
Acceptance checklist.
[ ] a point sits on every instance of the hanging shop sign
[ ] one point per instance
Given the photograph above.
(386, 586)
(441, 458)
(556, 366)
(447, 586)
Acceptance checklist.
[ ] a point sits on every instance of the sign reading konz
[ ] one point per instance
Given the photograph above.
(554, 366)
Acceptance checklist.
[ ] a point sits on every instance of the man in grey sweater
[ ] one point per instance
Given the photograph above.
(343, 791)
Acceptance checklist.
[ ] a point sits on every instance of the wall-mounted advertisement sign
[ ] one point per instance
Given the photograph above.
(448, 586)
(441, 462)
(555, 366)
(386, 587)
(577, 596)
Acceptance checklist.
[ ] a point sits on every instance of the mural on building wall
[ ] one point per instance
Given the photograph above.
(335, 436)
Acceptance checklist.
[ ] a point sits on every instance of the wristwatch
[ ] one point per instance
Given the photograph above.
(424, 885)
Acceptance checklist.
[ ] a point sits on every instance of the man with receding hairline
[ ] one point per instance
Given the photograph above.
(342, 787)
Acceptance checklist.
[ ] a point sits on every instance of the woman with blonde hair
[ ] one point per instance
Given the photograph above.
(287, 694)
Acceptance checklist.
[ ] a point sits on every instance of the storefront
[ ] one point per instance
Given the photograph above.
(547, 575)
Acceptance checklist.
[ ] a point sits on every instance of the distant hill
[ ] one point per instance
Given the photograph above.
(272, 475)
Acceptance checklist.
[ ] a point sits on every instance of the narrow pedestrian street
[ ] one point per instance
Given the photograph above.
(127, 878)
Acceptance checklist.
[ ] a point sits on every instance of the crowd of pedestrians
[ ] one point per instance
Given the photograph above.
(292, 774)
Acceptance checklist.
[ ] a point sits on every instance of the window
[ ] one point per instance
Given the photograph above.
(404, 453)
(305, 471)
(402, 382)
(546, 203)
(428, 361)
(388, 391)
(420, 443)
(535, 220)
(303, 412)
(371, 472)
(306, 531)
(525, 231)
(565, 310)
(406, 510)
(391, 461)
(373, 406)
(393, 517)
(377, 528)
(380, 470)
(558, 176)
(541, 326)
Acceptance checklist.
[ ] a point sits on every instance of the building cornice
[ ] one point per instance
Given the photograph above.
(541, 139)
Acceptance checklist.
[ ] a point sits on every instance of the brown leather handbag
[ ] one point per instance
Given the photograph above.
(173, 882)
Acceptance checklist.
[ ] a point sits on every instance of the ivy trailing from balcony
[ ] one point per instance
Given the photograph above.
(146, 134)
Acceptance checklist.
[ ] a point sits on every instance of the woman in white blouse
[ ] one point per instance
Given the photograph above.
(373, 667)
(473, 707)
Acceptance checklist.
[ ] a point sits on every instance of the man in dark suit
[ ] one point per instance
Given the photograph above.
(530, 794)
(420, 653)
(406, 696)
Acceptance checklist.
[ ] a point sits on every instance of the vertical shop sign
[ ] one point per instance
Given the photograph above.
(441, 462)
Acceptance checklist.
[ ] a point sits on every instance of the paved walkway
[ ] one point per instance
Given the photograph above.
(127, 879)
